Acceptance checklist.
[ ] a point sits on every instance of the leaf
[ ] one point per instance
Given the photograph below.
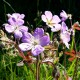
(76, 26)
(72, 55)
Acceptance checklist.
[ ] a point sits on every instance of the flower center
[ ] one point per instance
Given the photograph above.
(35, 41)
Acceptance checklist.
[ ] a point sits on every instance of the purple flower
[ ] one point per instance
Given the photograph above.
(65, 34)
(15, 24)
(65, 37)
(35, 42)
(64, 15)
(51, 21)
(64, 27)
(16, 18)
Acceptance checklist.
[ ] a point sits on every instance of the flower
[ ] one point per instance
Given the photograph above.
(35, 42)
(64, 27)
(51, 21)
(65, 34)
(15, 24)
(65, 37)
(64, 15)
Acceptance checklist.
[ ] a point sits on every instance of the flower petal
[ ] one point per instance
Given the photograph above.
(27, 37)
(48, 15)
(17, 15)
(23, 28)
(37, 50)
(55, 19)
(25, 46)
(17, 34)
(39, 32)
(20, 22)
(64, 27)
(67, 45)
(43, 17)
(45, 40)
(65, 36)
(14, 21)
(9, 28)
(64, 15)
(56, 27)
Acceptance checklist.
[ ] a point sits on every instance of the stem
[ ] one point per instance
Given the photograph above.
(9, 5)
(64, 57)
(75, 70)
(51, 36)
(76, 63)
(37, 69)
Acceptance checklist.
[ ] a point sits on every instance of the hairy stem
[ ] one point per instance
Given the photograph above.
(37, 69)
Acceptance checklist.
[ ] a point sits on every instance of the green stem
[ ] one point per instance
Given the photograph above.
(64, 57)
(73, 41)
(76, 63)
(75, 70)
(37, 69)
(9, 5)
(51, 36)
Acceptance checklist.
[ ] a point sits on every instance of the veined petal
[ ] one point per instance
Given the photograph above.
(55, 19)
(56, 27)
(36, 50)
(43, 17)
(9, 28)
(12, 21)
(45, 40)
(15, 21)
(27, 37)
(39, 32)
(25, 46)
(48, 15)
(23, 28)
(65, 36)
(17, 34)
(19, 22)
(64, 27)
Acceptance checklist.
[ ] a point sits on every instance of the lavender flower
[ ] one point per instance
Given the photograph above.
(15, 24)
(35, 42)
(64, 27)
(65, 34)
(51, 21)
(64, 15)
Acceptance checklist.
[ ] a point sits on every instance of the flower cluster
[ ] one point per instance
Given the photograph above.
(15, 24)
(35, 42)
(57, 24)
